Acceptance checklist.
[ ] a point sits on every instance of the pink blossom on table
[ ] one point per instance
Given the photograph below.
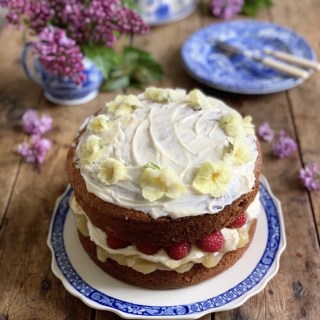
(265, 132)
(35, 125)
(284, 146)
(36, 151)
(226, 9)
(310, 177)
(60, 55)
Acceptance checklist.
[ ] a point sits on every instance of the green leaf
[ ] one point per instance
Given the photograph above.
(104, 58)
(113, 84)
(251, 7)
(132, 67)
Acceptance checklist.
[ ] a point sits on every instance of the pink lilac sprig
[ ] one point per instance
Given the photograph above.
(34, 125)
(35, 151)
(265, 132)
(310, 177)
(226, 9)
(60, 55)
(285, 145)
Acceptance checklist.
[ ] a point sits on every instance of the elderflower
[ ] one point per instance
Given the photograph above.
(123, 105)
(157, 183)
(213, 179)
(112, 171)
(99, 123)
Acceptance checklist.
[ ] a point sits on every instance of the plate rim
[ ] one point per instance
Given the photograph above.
(176, 17)
(269, 274)
(292, 82)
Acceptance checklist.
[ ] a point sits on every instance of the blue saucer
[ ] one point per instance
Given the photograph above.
(236, 73)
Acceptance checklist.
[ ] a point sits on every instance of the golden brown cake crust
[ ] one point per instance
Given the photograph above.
(160, 279)
(139, 227)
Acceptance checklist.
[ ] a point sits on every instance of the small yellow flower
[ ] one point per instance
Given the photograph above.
(164, 95)
(157, 183)
(123, 105)
(99, 123)
(232, 125)
(238, 153)
(213, 179)
(248, 125)
(90, 150)
(197, 99)
(112, 171)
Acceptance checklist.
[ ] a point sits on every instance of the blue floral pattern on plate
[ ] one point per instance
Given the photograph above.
(157, 12)
(256, 280)
(236, 73)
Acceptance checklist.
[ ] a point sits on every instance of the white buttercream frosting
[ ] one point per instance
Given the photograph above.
(180, 135)
(132, 257)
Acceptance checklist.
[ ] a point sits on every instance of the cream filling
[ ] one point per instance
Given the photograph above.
(132, 257)
(171, 135)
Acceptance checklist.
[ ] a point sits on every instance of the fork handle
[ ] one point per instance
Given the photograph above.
(285, 68)
(299, 61)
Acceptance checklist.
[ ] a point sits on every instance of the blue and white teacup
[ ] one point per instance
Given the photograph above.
(61, 90)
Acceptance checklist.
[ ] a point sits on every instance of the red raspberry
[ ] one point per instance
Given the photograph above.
(117, 243)
(212, 242)
(147, 248)
(239, 222)
(178, 251)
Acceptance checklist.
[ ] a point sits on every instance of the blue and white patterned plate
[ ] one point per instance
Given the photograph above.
(236, 73)
(82, 278)
(158, 12)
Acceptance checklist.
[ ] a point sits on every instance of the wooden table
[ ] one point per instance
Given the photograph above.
(29, 290)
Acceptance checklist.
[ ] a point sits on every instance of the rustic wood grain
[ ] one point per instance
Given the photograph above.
(16, 94)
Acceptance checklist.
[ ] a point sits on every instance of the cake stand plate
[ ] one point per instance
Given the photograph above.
(83, 279)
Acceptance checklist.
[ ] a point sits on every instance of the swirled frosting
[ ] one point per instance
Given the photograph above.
(173, 130)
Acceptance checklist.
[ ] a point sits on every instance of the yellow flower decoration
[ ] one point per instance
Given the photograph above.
(112, 171)
(164, 95)
(197, 99)
(99, 123)
(232, 125)
(248, 125)
(157, 183)
(90, 150)
(123, 105)
(238, 153)
(213, 179)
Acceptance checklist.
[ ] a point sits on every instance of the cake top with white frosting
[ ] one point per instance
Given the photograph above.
(167, 152)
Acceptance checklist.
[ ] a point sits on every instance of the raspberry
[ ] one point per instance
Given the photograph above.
(212, 242)
(147, 248)
(117, 243)
(239, 222)
(178, 251)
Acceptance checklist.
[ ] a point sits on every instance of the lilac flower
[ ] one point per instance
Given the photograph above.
(60, 54)
(284, 146)
(36, 151)
(265, 132)
(310, 177)
(40, 13)
(226, 9)
(34, 125)
(17, 8)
